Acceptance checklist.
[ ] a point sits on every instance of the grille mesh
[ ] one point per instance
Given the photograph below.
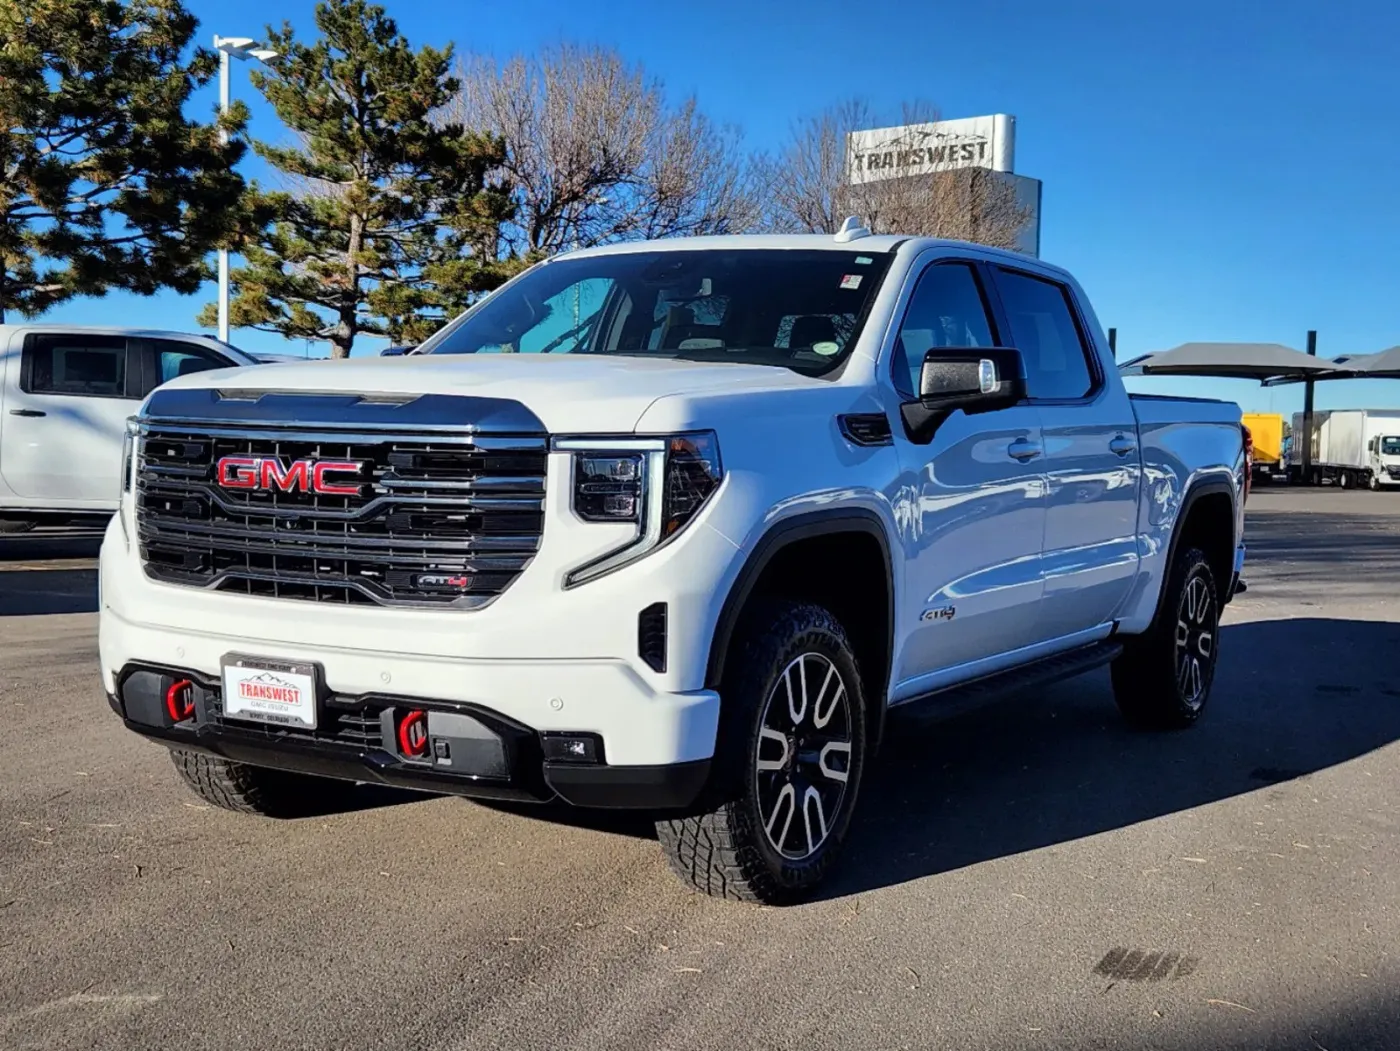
(433, 523)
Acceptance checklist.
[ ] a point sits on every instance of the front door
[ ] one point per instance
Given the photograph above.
(66, 408)
(1091, 463)
(970, 505)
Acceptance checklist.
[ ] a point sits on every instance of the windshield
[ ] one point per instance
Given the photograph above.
(1390, 446)
(796, 309)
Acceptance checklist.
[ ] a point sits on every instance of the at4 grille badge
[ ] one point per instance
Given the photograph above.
(443, 581)
(305, 476)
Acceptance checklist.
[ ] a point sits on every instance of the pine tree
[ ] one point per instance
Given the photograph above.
(104, 182)
(385, 224)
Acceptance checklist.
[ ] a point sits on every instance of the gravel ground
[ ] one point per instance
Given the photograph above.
(1031, 875)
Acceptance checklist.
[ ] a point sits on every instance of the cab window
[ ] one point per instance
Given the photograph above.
(947, 309)
(1043, 329)
(78, 366)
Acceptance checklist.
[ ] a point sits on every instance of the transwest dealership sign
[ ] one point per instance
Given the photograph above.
(919, 149)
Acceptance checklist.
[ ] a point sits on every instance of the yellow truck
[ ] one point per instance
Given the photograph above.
(1268, 431)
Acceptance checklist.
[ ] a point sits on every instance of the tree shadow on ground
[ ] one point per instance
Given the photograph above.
(38, 589)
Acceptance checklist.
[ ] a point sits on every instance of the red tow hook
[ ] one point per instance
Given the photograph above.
(179, 700)
(413, 734)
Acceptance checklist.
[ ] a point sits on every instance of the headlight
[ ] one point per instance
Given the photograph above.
(657, 484)
(133, 427)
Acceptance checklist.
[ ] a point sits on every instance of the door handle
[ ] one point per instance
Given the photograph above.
(1122, 445)
(28, 412)
(1023, 450)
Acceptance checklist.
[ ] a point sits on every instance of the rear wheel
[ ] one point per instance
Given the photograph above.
(251, 789)
(1163, 678)
(792, 754)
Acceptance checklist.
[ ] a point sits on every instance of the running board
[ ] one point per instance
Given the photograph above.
(968, 696)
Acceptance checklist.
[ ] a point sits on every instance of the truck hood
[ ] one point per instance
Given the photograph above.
(570, 393)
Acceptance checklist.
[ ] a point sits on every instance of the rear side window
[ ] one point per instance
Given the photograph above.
(1043, 329)
(181, 359)
(81, 366)
(947, 309)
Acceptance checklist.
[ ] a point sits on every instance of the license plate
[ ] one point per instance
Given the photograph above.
(268, 691)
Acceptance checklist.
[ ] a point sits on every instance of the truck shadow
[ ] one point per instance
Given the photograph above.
(38, 575)
(1291, 697)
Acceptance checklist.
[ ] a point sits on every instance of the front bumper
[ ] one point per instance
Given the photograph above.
(471, 751)
(539, 660)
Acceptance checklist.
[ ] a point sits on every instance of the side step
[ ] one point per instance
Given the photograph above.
(969, 696)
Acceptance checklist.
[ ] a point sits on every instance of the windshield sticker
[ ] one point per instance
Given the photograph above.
(863, 260)
(825, 349)
(851, 281)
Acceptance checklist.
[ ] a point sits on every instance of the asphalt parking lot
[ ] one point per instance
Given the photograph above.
(1031, 875)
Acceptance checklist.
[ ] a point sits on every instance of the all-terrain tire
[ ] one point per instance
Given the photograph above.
(251, 789)
(729, 851)
(1163, 678)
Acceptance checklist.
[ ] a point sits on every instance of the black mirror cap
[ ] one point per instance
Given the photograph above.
(394, 352)
(973, 379)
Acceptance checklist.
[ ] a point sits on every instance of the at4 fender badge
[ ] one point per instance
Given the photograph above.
(940, 613)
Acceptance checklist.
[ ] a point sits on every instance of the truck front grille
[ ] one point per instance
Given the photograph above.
(430, 521)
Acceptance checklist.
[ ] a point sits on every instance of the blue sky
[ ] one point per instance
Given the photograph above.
(1213, 171)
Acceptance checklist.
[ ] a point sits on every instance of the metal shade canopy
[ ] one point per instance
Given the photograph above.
(1249, 361)
(1383, 364)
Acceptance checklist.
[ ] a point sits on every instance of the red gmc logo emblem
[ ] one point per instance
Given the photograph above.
(306, 476)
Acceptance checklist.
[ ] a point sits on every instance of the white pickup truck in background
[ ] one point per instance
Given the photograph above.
(668, 526)
(65, 396)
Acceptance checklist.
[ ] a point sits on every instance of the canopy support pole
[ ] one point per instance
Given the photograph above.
(1308, 414)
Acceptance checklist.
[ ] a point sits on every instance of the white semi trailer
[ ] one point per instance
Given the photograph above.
(1350, 447)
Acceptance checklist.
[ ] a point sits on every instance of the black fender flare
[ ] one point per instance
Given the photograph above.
(1201, 488)
(824, 522)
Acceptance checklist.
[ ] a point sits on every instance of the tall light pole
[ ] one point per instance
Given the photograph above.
(242, 48)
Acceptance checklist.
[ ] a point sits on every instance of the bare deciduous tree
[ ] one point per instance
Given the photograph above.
(596, 154)
(807, 187)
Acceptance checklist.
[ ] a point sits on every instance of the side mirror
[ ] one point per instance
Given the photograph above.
(394, 352)
(973, 379)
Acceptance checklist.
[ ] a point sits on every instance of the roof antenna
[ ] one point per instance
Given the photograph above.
(851, 230)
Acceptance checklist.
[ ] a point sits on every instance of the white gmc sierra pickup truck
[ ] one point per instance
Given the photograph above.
(667, 526)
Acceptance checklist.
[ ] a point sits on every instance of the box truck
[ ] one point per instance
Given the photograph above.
(1350, 447)
(1268, 431)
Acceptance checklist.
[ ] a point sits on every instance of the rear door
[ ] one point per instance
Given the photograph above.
(68, 398)
(970, 503)
(1092, 465)
(162, 360)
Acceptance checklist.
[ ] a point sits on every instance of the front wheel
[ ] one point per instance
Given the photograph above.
(251, 789)
(1163, 678)
(792, 752)
(1374, 482)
